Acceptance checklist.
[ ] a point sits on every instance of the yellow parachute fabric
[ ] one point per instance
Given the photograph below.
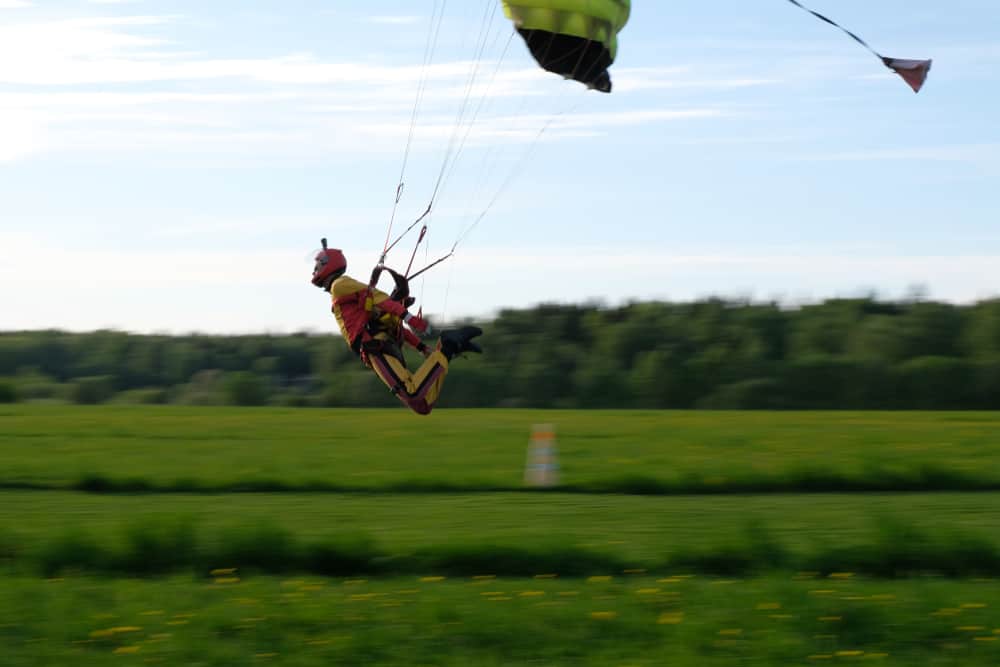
(577, 39)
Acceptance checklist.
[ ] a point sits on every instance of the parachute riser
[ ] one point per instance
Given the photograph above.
(431, 265)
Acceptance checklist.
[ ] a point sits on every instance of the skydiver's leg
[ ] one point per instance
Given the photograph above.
(418, 391)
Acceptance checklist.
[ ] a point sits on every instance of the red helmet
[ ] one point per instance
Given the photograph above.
(330, 264)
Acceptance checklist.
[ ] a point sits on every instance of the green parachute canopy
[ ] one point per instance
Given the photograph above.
(577, 39)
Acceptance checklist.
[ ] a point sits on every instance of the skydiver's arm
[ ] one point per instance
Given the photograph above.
(411, 339)
(399, 310)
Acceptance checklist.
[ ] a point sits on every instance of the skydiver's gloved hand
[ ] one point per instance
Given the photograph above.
(423, 349)
(418, 324)
(401, 291)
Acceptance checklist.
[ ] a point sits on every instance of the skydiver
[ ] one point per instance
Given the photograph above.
(371, 322)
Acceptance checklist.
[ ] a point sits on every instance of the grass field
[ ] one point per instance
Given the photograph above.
(869, 536)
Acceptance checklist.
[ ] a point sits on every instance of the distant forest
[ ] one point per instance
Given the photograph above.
(713, 354)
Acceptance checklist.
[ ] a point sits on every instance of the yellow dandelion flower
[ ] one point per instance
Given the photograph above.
(499, 598)
(984, 639)
(484, 577)
(181, 621)
(647, 591)
(154, 612)
(114, 631)
(997, 631)
(126, 649)
(947, 611)
(822, 591)
(531, 594)
(970, 628)
(768, 606)
(849, 654)
(830, 619)
(671, 618)
(227, 580)
(669, 580)
(266, 655)
(603, 615)
(731, 632)
(430, 580)
(841, 575)
(222, 571)
(598, 579)
(488, 593)
(974, 605)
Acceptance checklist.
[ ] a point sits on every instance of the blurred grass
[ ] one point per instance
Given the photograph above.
(442, 497)
(160, 448)
(574, 534)
(614, 620)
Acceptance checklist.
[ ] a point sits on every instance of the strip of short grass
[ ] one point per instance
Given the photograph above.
(130, 449)
(909, 535)
(636, 527)
(633, 620)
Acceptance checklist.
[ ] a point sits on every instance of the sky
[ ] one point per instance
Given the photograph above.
(171, 165)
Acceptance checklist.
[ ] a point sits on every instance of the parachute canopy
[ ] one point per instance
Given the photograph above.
(577, 39)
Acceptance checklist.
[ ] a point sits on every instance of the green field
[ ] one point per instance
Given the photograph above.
(375, 537)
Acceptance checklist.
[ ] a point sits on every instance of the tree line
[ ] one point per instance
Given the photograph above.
(861, 353)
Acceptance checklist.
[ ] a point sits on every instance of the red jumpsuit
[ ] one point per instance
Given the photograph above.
(354, 306)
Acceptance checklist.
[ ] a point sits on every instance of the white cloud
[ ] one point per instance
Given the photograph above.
(283, 106)
(14, 4)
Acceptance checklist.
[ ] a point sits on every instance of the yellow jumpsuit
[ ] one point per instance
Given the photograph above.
(372, 326)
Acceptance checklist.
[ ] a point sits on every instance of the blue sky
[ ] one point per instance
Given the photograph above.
(169, 165)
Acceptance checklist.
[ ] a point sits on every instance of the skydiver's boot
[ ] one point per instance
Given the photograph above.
(457, 341)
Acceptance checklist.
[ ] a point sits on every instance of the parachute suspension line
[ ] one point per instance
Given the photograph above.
(487, 21)
(479, 108)
(510, 179)
(484, 31)
(430, 47)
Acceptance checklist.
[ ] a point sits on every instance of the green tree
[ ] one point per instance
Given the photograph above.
(245, 388)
